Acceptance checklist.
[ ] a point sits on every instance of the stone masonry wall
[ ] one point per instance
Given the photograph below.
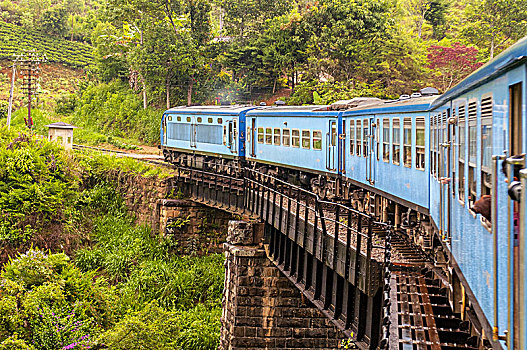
(262, 309)
(197, 228)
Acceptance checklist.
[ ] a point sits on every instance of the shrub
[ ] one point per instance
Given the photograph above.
(4, 106)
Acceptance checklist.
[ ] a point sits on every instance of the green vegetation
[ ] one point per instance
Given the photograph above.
(13, 39)
(114, 110)
(105, 280)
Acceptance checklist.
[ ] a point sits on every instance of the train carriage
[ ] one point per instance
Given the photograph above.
(298, 140)
(214, 134)
(478, 128)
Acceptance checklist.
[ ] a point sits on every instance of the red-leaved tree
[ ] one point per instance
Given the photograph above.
(451, 64)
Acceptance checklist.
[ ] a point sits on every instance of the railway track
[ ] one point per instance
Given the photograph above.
(417, 311)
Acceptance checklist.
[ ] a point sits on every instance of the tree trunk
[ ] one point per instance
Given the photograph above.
(144, 93)
(72, 17)
(168, 93)
(189, 92)
(492, 46)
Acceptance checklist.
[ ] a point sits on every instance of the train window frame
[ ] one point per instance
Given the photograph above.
(277, 142)
(472, 121)
(352, 136)
(260, 134)
(396, 146)
(306, 138)
(286, 140)
(200, 120)
(461, 155)
(486, 120)
(386, 140)
(407, 142)
(210, 120)
(295, 139)
(178, 118)
(189, 119)
(317, 140)
(220, 120)
(365, 136)
(358, 137)
(268, 136)
(169, 117)
(420, 148)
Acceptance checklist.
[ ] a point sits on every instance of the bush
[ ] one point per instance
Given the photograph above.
(4, 106)
(115, 110)
(66, 104)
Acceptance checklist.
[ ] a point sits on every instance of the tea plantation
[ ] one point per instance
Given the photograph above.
(14, 39)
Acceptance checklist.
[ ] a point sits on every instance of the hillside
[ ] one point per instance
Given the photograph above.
(14, 39)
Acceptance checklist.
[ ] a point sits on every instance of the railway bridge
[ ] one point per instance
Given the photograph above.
(342, 274)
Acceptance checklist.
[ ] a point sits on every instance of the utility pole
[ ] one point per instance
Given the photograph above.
(30, 70)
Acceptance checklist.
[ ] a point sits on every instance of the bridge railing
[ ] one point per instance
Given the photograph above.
(332, 252)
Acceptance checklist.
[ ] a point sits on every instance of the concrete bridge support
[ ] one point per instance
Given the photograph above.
(262, 309)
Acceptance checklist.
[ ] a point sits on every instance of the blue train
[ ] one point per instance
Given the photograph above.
(447, 169)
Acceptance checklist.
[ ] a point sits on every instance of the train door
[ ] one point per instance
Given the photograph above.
(445, 174)
(372, 146)
(193, 131)
(251, 137)
(342, 148)
(233, 135)
(331, 146)
(515, 161)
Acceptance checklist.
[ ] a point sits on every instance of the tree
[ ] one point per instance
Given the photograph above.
(346, 37)
(53, 21)
(452, 64)
(494, 24)
(73, 7)
(436, 16)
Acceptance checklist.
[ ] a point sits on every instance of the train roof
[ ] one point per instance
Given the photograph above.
(508, 59)
(418, 104)
(295, 111)
(218, 110)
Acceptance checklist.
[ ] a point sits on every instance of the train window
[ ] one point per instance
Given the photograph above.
(358, 132)
(365, 150)
(220, 120)
(306, 139)
(231, 135)
(225, 134)
(386, 139)
(210, 120)
(295, 138)
(334, 134)
(169, 118)
(261, 136)
(420, 143)
(276, 136)
(396, 141)
(486, 145)
(268, 136)
(407, 142)
(178, 119)
(188, 119)
(472, 151)
(317, 139)
(285, 137)
(461, 154)
(352, 136)
(200, 119)
(248, 134)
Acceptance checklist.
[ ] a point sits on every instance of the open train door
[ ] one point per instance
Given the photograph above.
(251, 137)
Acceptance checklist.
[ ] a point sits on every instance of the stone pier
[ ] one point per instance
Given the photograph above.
(262, 309)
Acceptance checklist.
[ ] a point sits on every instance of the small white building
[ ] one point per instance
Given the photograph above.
(61, 132)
